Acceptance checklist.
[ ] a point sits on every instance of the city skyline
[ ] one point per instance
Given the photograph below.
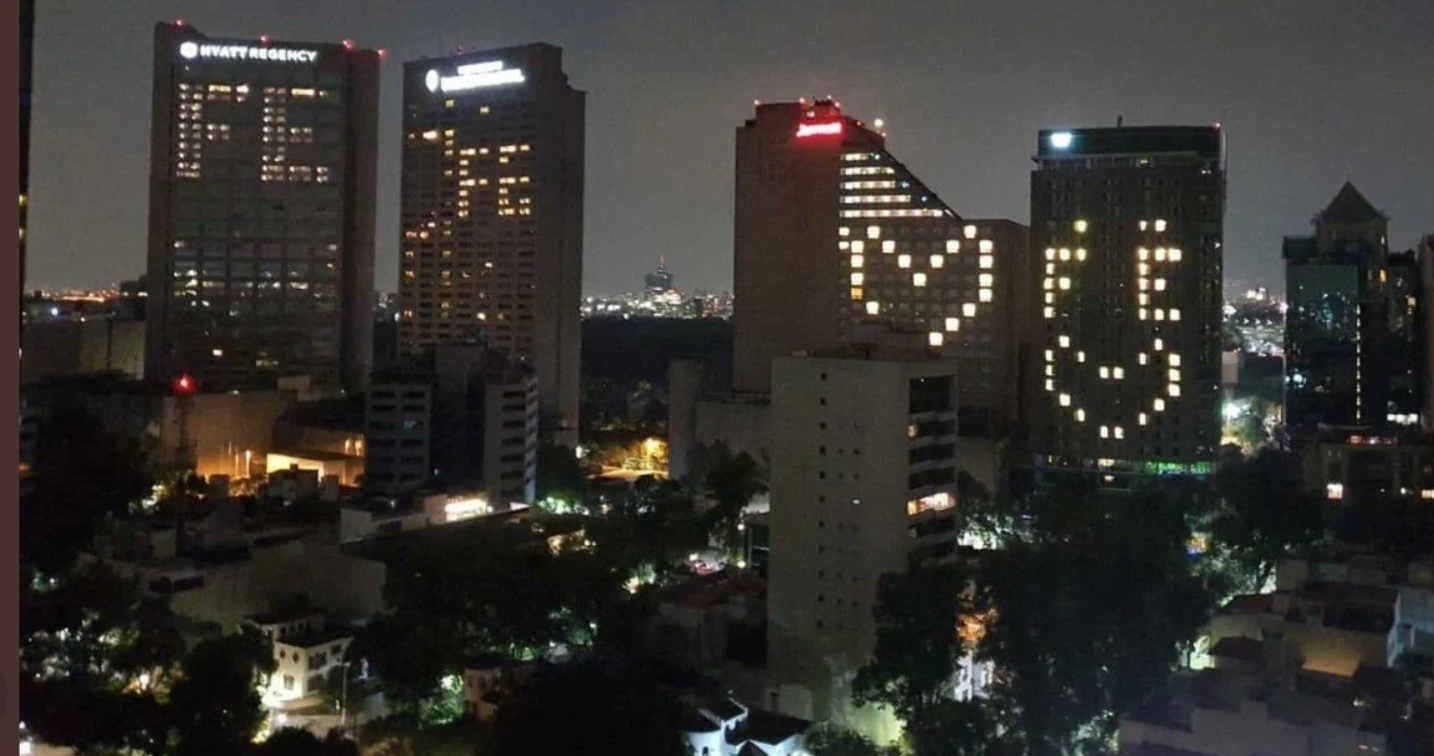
(1289, 152)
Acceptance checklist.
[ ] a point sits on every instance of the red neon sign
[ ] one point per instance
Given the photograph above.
(819, 129)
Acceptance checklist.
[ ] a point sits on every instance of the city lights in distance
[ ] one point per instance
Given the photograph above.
(831, 128)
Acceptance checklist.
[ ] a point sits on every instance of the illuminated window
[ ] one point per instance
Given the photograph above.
(873, 232)
(937, 261)
(1064, 341)
(1050, 253)
(1159, 313)
(1065, 283)
(984, 295)
(969, 232)
(1050, 356)
(987, 246)
(1144, 225)
(918, 279)
(1065, 254)
(873, 308)
(1050, 385)
(1173, 389)
(1119, 432)
(935, 338)
(1159, 254)
(857, 279)
(1119, 373)
(844, 231)
(1050, 371)
(1050, 297)
(1159, 405)
(1175, 255)
(1049, 312)
(1080, 254)
(858, 246)
(953, 246)
(888, 246)
(1080, 356)
(857, 261)
(986, 279)
(1142, 299)
(1143, 358)
(903, 261)
(1159, 226)
(1104, 372)
(1174, 314)
(1081, 226)
(1105, 431)
(1144, 254)
(1144, 419)
(953, 324)
(1174, 360)
(1048, 284)
(1160, 345)
(987, 262)
(1334, 491)
(1065, 400)
(1080, 415)
(843, 245)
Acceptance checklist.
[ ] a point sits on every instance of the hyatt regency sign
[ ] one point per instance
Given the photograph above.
(204, 51)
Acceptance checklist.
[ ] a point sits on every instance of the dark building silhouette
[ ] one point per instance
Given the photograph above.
(1127, 224)
(659, 281)
(1354, 343)
(263, 166)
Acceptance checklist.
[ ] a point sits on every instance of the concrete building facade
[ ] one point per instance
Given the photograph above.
(863, 483)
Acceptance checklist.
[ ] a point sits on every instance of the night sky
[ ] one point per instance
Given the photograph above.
(1311, 93)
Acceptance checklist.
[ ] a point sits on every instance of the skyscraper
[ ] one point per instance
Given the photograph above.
(263, 162)
(834, 234)
(492, 222)
(1353, 340)
(1128, 225)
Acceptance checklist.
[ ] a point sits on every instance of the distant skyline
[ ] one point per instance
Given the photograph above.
(1311, 93)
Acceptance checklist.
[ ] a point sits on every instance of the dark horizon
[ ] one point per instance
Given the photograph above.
(963, 92)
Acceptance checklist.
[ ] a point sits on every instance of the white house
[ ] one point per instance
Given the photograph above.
(727, 728)
(307, 650)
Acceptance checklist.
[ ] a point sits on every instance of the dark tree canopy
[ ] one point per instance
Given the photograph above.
(1266, 513)
(590, 708)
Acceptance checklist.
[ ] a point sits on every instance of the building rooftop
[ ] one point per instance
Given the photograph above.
(321, 636)
(706, 591)
(1129, 140)
(1350, 206)
(285, 614)
(314, 455)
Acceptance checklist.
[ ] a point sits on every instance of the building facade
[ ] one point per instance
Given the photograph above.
(1354, 344)
(863, 483)
(492, 212)
(1128, 226)
(263, 160)
(834, 236)
(459, 418)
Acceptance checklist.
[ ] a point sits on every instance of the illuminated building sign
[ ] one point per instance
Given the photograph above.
(198, 50)
(1062, 139)
(819, 129)
(474, 76)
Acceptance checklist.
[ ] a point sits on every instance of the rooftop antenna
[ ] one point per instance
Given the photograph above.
(1119, 121)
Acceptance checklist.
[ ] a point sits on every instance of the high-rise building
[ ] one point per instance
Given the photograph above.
(1353, 340)
(833, 233)
(492, 224)
(659, 281)
(263, 159)
(27, 55)
(863, 483)
(1127, 224)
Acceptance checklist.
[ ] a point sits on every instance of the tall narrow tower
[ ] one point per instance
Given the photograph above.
(492, 203)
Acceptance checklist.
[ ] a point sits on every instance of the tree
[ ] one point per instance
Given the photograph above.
(1266, 513)
(559, 474)
(214, 707)
(1093, 606)
(731, 482)
(82, 474)
(293, 741)
(830, 740)
(602, 710)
